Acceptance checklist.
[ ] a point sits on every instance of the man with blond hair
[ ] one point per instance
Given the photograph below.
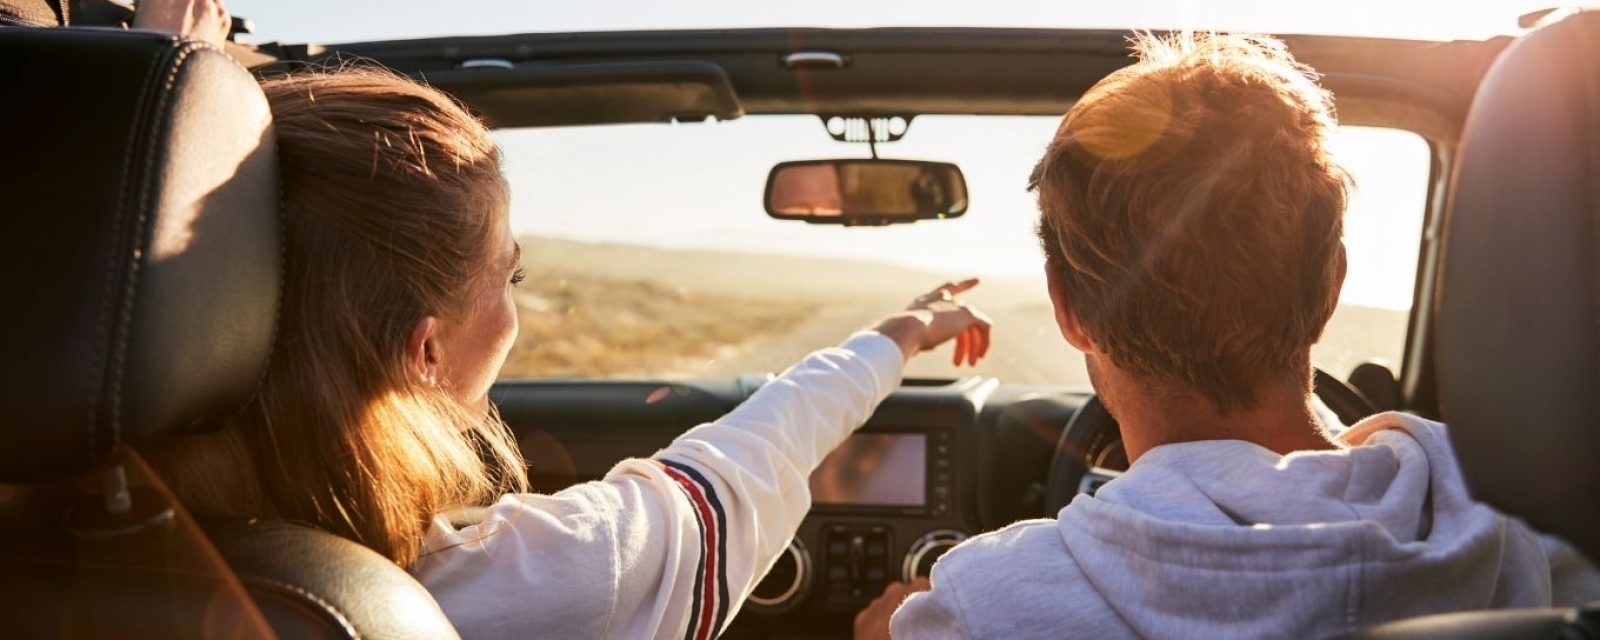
(1191, 218)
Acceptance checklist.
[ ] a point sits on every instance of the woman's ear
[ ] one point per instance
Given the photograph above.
(1066, 319)
(422, 350)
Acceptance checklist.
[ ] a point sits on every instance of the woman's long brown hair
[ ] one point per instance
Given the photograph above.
(392, 194)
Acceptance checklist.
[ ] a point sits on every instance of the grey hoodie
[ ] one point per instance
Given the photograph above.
(1226, 539)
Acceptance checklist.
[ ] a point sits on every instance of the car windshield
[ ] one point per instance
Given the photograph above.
(649, 254)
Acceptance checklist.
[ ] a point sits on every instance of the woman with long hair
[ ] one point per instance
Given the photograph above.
(374, 422)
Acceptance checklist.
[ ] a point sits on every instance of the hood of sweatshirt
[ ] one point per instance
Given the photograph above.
(1225, 538)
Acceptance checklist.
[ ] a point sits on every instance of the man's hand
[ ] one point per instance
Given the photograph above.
(873, 622)
(936, 317)
(204, 20)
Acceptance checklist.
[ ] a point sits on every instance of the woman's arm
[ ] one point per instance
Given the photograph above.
(670, 546)
(744, 478)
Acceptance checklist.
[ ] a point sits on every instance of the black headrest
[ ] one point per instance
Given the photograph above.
(141, 271)
(1519, 308)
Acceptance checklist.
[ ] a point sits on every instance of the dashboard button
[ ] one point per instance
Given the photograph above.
(838, 590)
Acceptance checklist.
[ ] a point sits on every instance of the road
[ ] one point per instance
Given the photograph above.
(851, 294)
(1026, 348)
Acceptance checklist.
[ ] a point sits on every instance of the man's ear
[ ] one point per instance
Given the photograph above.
(422, 350)
(1338, 282)
(1066, 319)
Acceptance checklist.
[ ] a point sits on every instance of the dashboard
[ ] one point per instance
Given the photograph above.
(939, 461)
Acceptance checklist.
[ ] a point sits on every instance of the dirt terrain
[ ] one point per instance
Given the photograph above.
(606, 310)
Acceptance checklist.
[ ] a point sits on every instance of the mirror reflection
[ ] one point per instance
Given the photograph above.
(863, 191)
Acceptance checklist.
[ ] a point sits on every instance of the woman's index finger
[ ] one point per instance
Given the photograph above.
(958, 287)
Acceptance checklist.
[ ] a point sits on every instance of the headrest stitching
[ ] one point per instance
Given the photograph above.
(283, 258)
(327, 607)
(277, 311)
(142, 238)
(11, 16)
(103, 328)
(283, 267)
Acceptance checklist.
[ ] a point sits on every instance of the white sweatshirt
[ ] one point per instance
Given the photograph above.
(670, 546)
(1226, 539)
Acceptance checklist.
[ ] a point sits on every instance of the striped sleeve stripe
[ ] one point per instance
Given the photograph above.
(723, 601)
(710, 602)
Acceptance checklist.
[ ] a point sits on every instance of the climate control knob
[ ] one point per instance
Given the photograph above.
(786, 584)
(927, 550)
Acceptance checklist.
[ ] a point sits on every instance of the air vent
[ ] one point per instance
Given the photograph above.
(786, 583)
(927, 550)
(814, 60)
(928, 382)
(1095, 478)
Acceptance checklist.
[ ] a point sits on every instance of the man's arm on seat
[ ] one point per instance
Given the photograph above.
(1573, 580)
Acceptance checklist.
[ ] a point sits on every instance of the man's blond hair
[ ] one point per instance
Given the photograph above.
(1192, 213)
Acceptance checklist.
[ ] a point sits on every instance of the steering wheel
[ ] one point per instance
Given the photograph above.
(1092, 439)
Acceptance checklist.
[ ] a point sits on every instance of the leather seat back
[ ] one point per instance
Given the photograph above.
(1518, 343)
(144, 263)
(310, 584)
(141, 278)
(142, 275)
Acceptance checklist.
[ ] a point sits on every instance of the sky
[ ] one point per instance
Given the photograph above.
(699, 185)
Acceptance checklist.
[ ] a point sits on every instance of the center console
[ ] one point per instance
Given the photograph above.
(885, 504)
(938, 461)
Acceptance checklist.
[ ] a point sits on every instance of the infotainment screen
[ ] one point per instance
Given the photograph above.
(888, 469)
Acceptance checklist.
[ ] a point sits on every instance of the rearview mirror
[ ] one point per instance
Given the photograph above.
(865, 192)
